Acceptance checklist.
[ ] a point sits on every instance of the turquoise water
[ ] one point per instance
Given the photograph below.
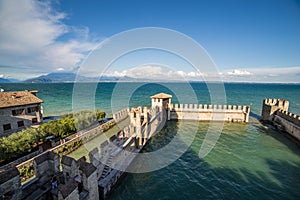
(249, 161)
(58, 96)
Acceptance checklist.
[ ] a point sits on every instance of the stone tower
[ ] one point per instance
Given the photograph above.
(270, 106)
(162, 100)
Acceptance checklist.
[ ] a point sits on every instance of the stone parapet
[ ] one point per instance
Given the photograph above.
(205, 107)
(121, 115)
(291, 117)
(204, 112)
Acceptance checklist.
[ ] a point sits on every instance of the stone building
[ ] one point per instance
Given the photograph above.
(19, 110)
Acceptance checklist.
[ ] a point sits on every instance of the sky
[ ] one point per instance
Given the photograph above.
(248, 40)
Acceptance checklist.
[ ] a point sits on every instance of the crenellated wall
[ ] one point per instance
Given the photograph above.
(204, 112)
(276, 112)
(270, 106)
(121, 115)
(291, 117)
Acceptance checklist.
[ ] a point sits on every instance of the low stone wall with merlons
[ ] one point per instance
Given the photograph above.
(230, 113)
(121, 115)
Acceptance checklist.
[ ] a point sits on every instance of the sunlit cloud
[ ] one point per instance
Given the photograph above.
(30, 37)
(60, 69)
(156, 72)
(238, 72)
(149, 72)
(263, 74)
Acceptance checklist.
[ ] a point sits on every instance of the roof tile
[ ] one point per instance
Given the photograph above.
(18, 98)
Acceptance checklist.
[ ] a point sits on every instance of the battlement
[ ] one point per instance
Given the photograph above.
(139, 110)
(139, 116)
(275, 111)
(270, 106)
(291, 117)
(277, 102)
(205, 107)
(204, 112)
(121, 115)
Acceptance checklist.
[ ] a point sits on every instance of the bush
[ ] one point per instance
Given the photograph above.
(69, 124)
(18, 144)
(26, 172)
(85, 118)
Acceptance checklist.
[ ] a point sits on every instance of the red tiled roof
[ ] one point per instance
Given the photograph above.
(18, 98)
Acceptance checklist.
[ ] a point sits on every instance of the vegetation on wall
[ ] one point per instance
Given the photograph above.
(25, 141)
(26, 171)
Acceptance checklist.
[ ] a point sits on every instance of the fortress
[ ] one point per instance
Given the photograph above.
(79, 179)
(275, 111)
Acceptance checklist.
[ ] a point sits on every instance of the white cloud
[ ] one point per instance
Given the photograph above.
(2, 75)
(156, 72)
(263, 74)
(60, 69)
(237, 72)
(30, 37)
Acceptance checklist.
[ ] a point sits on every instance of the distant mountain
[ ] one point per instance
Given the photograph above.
(67, 77)
(54, 78)
(9, 80)
(4, 80)
(13, 80)
(62, 77)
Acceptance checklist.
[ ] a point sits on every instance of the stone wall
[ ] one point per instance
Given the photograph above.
(210, 112)
(121, 115)
(77, 180)
(275, 111)
(10, 184)
(287, 126)
(270, 106)
(293, 118)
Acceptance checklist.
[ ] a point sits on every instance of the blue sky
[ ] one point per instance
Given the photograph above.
(256, 41)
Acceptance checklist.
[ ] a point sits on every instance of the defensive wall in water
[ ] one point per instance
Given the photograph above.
(79, 179)
(228, 113)
(275, 111)
(200, 112)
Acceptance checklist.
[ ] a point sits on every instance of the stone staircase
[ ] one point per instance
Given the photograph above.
(107, 168)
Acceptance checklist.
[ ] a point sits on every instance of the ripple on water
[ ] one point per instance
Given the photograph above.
(246, 163)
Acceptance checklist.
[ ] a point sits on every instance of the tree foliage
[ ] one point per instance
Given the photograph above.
(18, 144)
(21, 143)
